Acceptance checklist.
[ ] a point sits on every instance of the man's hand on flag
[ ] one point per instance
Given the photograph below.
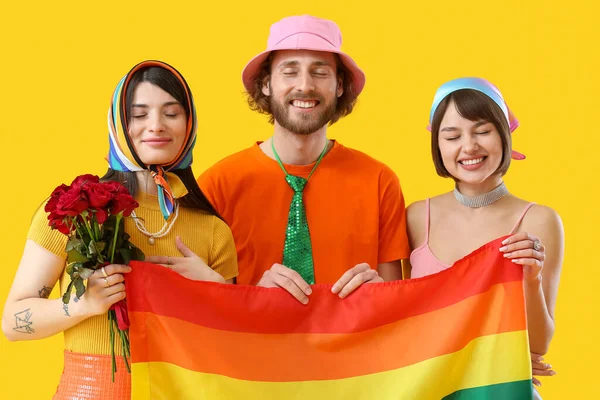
(354, 277)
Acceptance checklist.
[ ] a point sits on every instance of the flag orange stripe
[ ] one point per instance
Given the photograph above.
(316, 356)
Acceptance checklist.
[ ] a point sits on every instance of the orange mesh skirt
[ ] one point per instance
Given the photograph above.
(88, 376)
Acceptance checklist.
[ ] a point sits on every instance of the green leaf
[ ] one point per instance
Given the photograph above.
(137, 254)
(85, 237)
(96, 247)
(72, 268)
(92, 249)
(85, 273)
(75, 256)
(67, 296)
(79, 287)
(73, 243)
(110, 223)
(100, 246)
(126, 254)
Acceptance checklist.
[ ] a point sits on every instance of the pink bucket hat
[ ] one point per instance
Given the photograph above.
(304, 33)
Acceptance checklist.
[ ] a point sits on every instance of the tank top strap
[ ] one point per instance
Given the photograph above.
(427, 221)
(527, 207)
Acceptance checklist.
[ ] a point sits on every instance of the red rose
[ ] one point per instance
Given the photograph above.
(124, 202)
(97, 194)
(53, 201)
(72, 203)
(83, 180)
(101, 215)
(120, 309)
(115, 187)
(58, 222)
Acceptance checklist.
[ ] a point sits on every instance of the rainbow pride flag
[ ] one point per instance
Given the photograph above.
(459, 334)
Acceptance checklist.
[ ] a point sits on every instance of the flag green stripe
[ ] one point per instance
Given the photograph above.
(518, 390)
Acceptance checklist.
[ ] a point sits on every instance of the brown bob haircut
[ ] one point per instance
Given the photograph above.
(474, 106)
(261, 103)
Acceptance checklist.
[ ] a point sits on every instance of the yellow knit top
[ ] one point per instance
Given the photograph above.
(206, 235)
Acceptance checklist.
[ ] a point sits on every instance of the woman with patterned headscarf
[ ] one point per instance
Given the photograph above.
(152, 131)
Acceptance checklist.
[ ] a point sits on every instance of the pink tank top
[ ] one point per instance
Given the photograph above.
(424, 262)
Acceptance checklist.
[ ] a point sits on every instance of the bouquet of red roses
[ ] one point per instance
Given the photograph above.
(91, 214)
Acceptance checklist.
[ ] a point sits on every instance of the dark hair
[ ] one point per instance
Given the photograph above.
(165, 80)
(160, 77)
(258, 101)
(474, 106)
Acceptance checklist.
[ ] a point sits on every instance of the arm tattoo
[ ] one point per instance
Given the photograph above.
(23, 322)
(66, 309)
(45, 292)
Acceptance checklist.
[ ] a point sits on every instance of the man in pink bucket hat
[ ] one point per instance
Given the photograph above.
(303, 208)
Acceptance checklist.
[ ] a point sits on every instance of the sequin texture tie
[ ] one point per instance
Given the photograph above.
(297, 250)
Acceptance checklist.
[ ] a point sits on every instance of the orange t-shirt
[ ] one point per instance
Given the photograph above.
(354, 208)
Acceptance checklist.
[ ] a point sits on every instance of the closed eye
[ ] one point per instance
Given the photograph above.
(482, 133)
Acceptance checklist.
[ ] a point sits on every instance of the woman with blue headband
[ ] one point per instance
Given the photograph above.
(152, 131)
(471, 128)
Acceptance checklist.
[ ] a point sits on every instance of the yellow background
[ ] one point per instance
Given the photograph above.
(59, 65)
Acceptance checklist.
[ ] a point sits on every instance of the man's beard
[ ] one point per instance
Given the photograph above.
(307, 123)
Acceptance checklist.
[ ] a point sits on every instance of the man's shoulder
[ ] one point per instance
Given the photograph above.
(238, 170)
(366, 162)
(232, 162)
(354, 154)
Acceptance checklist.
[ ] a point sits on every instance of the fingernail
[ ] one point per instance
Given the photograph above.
(334, 289)
(515, 261)
(503, 248)
(505, 241)
(308, 291)
(305, 301)
(552, 373)
(506, 255)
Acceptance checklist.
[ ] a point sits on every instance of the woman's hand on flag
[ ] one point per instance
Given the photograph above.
(540, 368)
(527, 250)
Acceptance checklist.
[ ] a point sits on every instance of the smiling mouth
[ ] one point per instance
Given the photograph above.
(306, 104)
(156, 140)
(473, 161)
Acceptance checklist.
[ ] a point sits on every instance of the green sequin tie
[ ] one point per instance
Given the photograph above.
(297, 250)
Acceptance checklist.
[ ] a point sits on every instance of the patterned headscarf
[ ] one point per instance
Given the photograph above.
(484, 87)
(122, 155)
